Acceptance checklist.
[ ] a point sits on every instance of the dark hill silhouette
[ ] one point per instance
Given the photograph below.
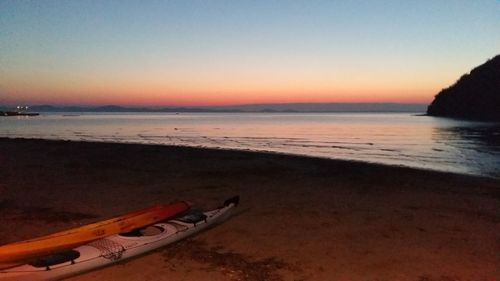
(284, 107)
(475, 96)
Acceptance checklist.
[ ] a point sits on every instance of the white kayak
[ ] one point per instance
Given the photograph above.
(118, 247)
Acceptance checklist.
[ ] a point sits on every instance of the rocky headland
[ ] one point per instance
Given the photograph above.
(475, 96)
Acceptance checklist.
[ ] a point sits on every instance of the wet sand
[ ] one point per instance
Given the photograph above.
(300, 218)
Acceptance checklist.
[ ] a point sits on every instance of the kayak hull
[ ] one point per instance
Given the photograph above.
(118, 247)
(19, 252)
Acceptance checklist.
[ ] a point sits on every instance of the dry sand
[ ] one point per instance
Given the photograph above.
(299, 219)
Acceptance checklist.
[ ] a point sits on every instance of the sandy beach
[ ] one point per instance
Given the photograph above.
(300, 218)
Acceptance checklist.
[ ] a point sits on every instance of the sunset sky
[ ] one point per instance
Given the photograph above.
(239, 52)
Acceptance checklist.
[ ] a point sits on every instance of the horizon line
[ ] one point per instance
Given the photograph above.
(213, 105)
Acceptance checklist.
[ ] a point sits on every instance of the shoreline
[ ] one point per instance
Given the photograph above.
(263, 152)
(353, 220)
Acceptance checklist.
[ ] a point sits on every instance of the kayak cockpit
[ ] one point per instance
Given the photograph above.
(151, 230)
(55, 259)
(193, 216)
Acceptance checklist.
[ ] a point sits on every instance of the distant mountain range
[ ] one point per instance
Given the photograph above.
(286, 107)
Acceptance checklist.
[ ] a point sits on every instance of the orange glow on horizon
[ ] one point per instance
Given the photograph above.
(214, 86)
(154, 91)
(131, 98)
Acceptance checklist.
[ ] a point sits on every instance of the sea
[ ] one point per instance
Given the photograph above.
(401, 139)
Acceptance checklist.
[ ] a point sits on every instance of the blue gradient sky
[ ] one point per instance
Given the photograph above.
(233, 52)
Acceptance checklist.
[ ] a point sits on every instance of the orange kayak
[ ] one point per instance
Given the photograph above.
(12, 254)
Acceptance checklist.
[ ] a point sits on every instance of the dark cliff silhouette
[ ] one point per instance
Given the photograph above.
(475, 96)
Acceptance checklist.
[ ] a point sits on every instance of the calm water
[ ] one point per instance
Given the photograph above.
(396, 139)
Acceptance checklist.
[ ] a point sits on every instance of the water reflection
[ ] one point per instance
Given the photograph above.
(474, 146)
(389, 138)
